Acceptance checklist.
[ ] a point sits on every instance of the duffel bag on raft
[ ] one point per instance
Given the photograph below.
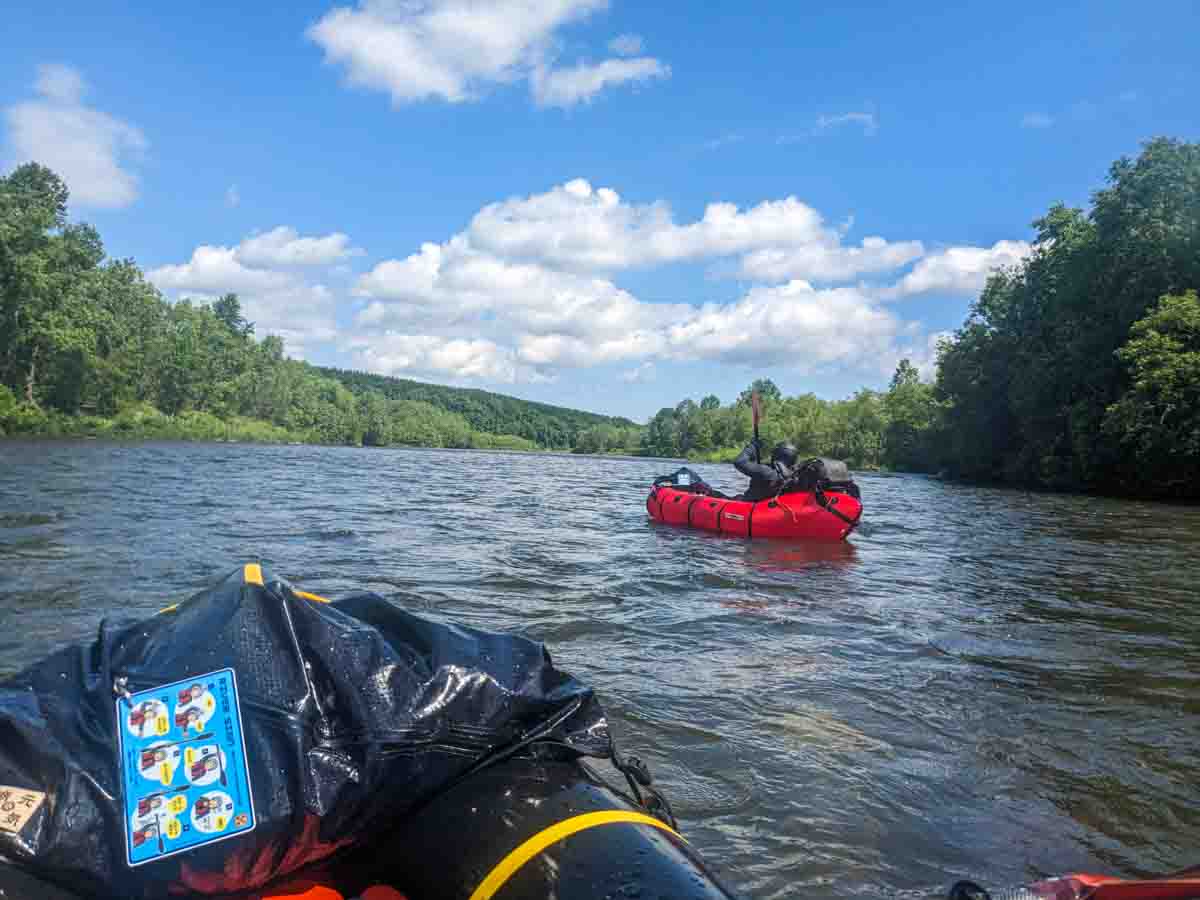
(255, 729)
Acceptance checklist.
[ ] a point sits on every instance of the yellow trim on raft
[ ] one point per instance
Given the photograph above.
(252, 574)
(313, 597)
(508, 866)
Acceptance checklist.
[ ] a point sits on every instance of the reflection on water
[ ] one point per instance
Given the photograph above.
(791, 555)
(982, 683)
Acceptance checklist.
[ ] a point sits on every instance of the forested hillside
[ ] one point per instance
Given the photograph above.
(546, 425)
(89, 347)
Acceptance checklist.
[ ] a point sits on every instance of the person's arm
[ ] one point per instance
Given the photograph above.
(747, 466)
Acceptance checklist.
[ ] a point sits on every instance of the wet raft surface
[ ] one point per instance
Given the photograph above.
(985, 683)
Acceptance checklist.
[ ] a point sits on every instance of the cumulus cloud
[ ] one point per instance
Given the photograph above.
(827, 260)
(300, 311)
(865, 120)
(583, 81)
(1036, 120)
(579, 227)
(626, 45)
(528, 290)
(454, 50)
(88, 148)
(534, 275)
(393, 353)
(459, 284)
(793, 325)
(283, 246)
(958, 270)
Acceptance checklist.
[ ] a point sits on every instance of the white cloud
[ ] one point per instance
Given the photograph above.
(454, 50)
(626, 45)
(579, 227)
(283, 246)
(300, 311)
(866, 120)
(421, 354)
(827, 260)
(583, 81)
(232, 197)
(723, 141)
(793, 324)
(958, 270)
(1036, 120)
(459, 284)
(532, 275)
(527, 290)
(88, 148)
(641, 374)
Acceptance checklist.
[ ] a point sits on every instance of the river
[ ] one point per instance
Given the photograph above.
(983, 683)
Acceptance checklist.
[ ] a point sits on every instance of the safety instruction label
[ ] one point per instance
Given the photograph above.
(183, 767)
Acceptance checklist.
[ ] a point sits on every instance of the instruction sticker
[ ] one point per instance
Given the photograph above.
(17, 806)
(183, 767)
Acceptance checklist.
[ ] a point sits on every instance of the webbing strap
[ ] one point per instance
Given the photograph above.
(509, 866)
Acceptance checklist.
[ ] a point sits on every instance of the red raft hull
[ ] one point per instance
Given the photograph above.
(795, 516)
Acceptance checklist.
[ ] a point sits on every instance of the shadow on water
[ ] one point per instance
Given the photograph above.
(981, 683)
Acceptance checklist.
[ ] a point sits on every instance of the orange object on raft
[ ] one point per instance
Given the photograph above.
(798, 516)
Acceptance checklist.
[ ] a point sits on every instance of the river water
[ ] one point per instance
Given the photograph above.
(983, 683)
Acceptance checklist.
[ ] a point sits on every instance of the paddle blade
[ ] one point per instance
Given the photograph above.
(755, 408)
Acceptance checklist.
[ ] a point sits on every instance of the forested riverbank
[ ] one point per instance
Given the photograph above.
(89, 348)
(1078, 369)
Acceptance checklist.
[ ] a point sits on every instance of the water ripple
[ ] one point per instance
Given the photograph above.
(984, 683)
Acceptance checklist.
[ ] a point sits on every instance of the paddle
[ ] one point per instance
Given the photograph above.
(756, 414)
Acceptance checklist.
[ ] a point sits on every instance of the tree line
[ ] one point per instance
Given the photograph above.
(551, 427)
(89, 347)
(1078, 369)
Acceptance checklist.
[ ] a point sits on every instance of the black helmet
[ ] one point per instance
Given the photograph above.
(784, 453)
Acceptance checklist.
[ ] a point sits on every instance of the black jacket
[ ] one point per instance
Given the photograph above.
(765, 478)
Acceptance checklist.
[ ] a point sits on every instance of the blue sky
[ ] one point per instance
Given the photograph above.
(610, 206)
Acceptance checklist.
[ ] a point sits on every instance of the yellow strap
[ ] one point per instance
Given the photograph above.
(510, 864)
(313, 597)
(252, 574)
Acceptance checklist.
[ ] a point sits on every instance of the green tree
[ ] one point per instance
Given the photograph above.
(228, 308)
(43, 264)
(767, 390)
(910, 411)
(1157, 419)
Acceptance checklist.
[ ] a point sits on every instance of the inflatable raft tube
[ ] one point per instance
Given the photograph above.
(527, 830)
(520, 830)
(797, 516)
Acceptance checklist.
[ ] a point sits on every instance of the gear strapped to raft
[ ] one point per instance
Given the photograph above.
(796, 509)
(257, 732)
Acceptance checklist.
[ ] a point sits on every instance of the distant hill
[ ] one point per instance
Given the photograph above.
(554, 427)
